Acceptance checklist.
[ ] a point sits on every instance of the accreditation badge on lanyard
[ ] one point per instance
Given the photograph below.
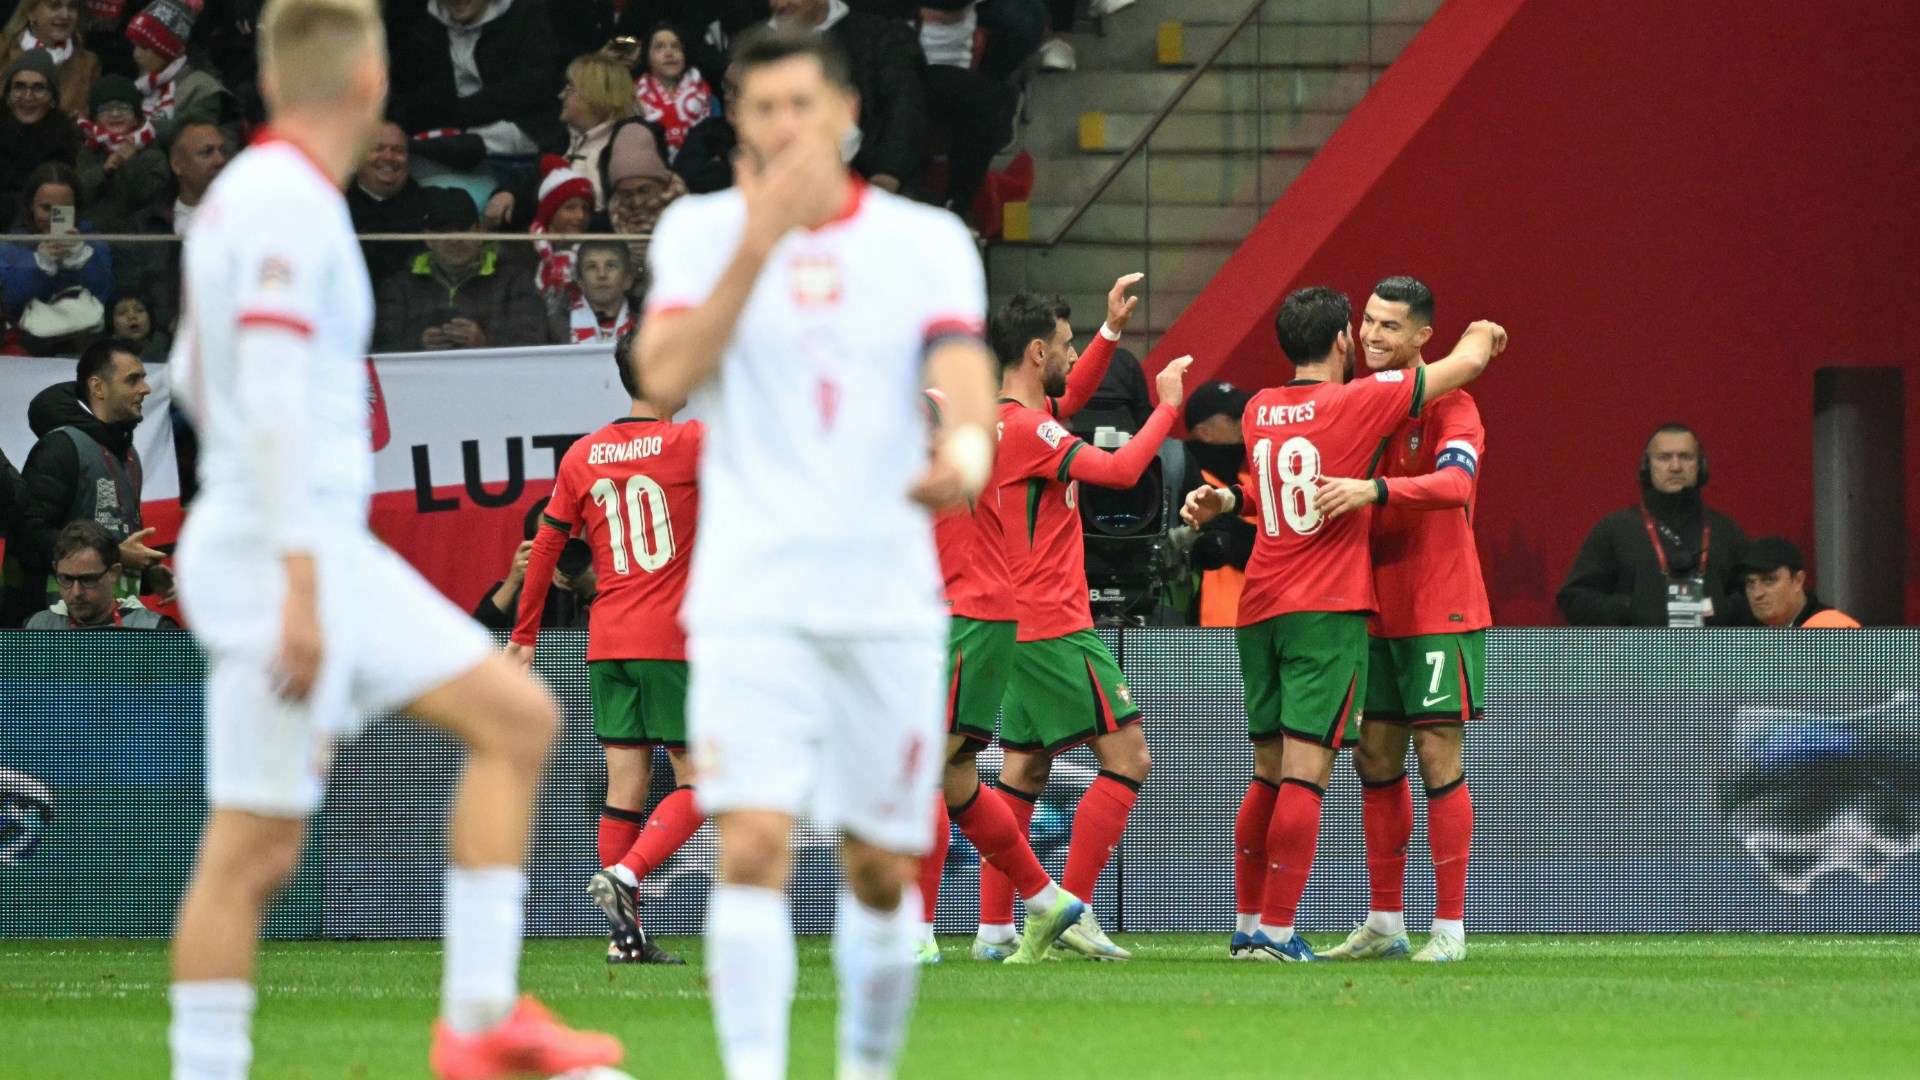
(1687, 601)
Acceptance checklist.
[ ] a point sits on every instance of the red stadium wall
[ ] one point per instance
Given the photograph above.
(1679, 210)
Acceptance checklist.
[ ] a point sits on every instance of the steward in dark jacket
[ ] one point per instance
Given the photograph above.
(515, 57)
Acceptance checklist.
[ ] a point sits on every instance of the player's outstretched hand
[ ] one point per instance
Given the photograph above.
(1119, 305)
(939, 487)
(1339, 495)
(1493, 330)
(136, 555)
(1203, 505)
(521, 655)
(804, 184)
(1171, 382)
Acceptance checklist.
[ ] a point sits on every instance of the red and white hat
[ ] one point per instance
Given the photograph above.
(559, 183)
(164, 26)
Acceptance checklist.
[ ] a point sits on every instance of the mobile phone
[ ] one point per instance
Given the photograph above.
(60, 220)
(575, 558)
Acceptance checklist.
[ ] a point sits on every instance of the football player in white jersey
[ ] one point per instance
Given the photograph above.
(272, 361)
(805, 312)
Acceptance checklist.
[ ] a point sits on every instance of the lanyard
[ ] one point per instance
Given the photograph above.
(1660, 552)
(118, 624)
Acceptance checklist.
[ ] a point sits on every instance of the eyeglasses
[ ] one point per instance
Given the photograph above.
(80, 581)
(637, 196)
(27, 89)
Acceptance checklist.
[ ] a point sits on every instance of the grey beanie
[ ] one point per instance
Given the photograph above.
(35, 60)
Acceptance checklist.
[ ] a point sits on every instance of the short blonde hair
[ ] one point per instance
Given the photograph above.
(604, 85)
(310, 49)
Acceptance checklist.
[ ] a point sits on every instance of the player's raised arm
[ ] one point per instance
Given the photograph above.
(1469, 359)
(1091, 369)
(1123, 468)
(1448, 487)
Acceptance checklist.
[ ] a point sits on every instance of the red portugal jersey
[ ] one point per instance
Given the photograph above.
(1296, 434)
(973, 554)
(1038, 510)
(632, 489)
(1426, 568)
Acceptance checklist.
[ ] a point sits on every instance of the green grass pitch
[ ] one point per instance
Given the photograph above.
(1524, 1005)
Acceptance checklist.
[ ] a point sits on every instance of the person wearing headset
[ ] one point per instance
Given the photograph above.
(1668, 560)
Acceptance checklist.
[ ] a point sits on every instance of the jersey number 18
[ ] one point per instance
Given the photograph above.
(1297, 466)
(646, 515)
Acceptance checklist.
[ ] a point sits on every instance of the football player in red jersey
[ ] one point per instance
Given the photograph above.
(1426, 662)
(1303, 618)
(1065, 688)
(632, 488)
(979, 586)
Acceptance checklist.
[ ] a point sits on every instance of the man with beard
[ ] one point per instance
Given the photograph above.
(1669, 561)
(1216, 457)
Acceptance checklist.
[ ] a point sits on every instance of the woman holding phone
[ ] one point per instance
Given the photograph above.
(40, 270)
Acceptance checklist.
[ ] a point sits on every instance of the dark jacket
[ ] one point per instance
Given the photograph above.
(886, 59)
(405, 212)
(153, 269)
(1615, 580)
(12, 489)
(26, 147)
(49, 477)
(705, 160)
(564, 610)
(520, 76)
(498, 294)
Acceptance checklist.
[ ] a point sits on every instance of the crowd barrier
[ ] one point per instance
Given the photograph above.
(1623, 780)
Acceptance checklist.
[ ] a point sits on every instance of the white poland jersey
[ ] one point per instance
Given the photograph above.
(816, 427)
(273, 246)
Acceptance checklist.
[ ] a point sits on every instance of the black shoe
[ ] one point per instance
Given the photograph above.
(616, 900)
(649, 953)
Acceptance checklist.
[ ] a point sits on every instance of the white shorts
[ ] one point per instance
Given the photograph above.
(849, 732)
(388, 638)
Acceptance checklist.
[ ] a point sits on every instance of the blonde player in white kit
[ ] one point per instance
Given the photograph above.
(271, 361)
(805, 312)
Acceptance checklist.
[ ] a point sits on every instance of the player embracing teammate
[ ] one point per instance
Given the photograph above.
(1302, 627)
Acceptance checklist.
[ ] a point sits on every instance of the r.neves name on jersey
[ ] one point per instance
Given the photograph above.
(1274, 415)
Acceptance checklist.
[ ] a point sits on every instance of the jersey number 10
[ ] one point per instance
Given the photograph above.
(646, 510)
(1297, 467)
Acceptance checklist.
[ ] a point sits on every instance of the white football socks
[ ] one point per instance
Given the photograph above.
(1277, 934)
(751, 969)
(1042, 902)
(485, 909)
(1453, 928)
(997, 933)
(1246, 922)
(1387, 922)
(625, 875)
(210, 1033)
(873, 954)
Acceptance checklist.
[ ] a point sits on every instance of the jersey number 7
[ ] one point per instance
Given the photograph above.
(646, 510)
(1298, 468)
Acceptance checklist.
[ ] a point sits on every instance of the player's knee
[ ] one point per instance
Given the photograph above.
(1440, 759)
(526, 726)
(877, 878)
(260, 869)
(1125, 753)
(1375, 764)
(753, 851)
(1025, 772)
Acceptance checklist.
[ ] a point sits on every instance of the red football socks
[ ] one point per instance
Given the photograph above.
(1001, 838)
(934, 862)
(1449, 836)
(996, 890)
(1387, 815)
(1291, 840)
(675, 819)
(1098, 823)
(618, 828)
(1250, 846)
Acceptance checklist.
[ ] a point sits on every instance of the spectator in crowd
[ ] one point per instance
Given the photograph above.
(461, 292)
(672, 93)
(195, 158)
(599, 94)
(885, 58)
(130, 319)
(11, 493)
(173, 91)
(385, 198)
(565, 207)
(121, 169)
(31, 271)
(84, 467)
(970, 109)
(1216, 457)
(87, 570)
(54, 25)
(486, 67)
(34, 131)
(599, 307)
(705, 160)
(639, 185)
(574, 584)
(1776, 587)
(1057, 53)
(1669, 561)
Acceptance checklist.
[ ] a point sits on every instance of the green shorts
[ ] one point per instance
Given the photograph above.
(1304, 674)
(1429, 679)
(979, 660)
(639, 702)
(1064, 691)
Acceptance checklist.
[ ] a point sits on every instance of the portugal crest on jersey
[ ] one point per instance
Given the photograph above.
(1413, 443)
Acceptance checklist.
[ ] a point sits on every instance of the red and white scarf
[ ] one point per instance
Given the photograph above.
(157, 90)
(554, 275)
(586, 324)
(60, 53)
(675, 110)
(107, 142)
